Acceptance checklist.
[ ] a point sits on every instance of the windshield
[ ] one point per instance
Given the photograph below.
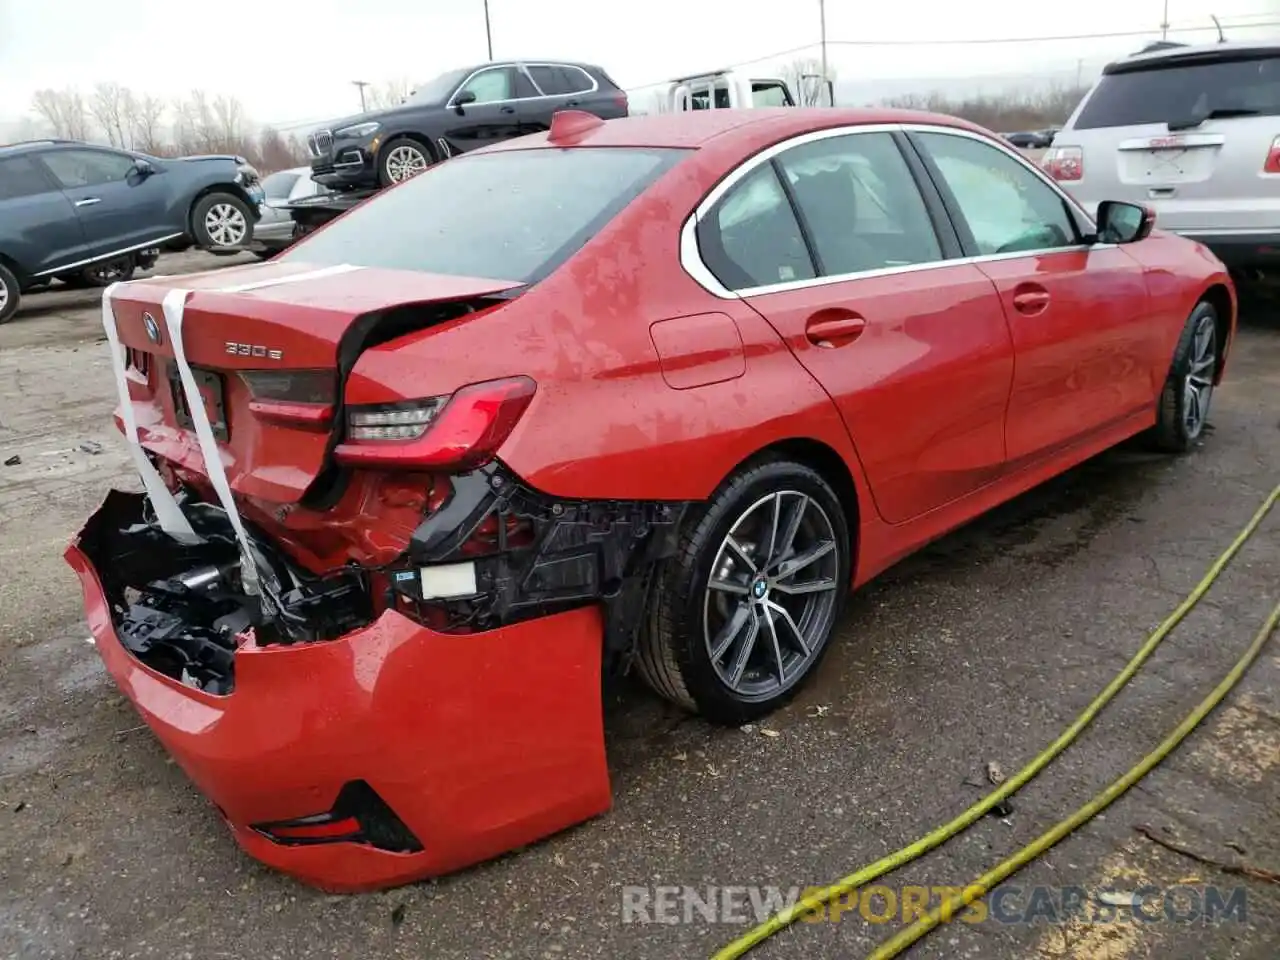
(513, 215)
(1182, 92)
(437, 91)
(278, 185)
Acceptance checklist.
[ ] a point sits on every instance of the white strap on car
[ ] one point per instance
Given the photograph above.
(174, 306)
(172, 520)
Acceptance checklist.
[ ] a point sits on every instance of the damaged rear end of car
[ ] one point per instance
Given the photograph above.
(373, 645)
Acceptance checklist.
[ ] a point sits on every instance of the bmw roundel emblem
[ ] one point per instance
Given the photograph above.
(153, 328)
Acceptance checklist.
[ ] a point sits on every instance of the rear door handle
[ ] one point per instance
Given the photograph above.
(88, 201)
(508, 109)
(828, 328)
(1031, 302)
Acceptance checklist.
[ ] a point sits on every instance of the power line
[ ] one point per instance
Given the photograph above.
(986, 41)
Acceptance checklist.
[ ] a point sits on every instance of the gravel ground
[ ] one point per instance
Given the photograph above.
(978, 650)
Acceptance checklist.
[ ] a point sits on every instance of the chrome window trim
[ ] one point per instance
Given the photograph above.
(522, 66)
(691, 256)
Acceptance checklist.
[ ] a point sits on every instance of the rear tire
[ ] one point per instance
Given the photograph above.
(736, 627)
(221, 223)
(10, 295)
(1188, 390)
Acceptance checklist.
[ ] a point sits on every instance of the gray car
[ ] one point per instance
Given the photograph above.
(275, 227)
(1192, 132)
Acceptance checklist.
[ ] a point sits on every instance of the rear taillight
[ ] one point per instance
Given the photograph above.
(621, 101)
(1272, 164)
(1064, 163)
(458, 432)
(291, 396)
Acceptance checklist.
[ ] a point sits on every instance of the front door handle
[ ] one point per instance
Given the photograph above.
(834, 328)
(88, 201)
(1031, 301)
(508, 109)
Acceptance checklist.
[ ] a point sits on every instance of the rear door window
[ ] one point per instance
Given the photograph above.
(512, 215)
(20, 177)
(751, 237)
(1184, 92)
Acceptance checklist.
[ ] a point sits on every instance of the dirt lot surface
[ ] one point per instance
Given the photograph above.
(981, 649)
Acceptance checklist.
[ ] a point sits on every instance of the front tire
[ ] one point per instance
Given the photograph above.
(400, 159)
(221, 223)
(1188, 390)
(10, 295)
(744, 613)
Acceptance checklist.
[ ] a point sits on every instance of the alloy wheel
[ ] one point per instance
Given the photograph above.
(4, 295)
(1197, 388)
(770, 598)
(226, 225)
(404, 162)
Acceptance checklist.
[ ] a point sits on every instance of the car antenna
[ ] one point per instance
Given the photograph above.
(570, 124)
(1214, 18)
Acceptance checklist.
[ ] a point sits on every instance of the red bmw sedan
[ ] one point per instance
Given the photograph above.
(651, 393)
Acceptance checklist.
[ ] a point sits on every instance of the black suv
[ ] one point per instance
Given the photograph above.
(86, 215)
(456, 112)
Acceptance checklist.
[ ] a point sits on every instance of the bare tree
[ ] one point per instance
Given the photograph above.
(1005, 112)
(274, 152)
(145, 123)
(109, 105)
(64, 111)
(804, 76)
(389, 94)
(229, 122)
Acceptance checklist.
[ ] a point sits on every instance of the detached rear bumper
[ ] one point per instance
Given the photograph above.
(476, 743)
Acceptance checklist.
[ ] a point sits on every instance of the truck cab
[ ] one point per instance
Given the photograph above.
(727, 90)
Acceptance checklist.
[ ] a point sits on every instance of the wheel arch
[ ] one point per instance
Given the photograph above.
(15, 268)
(1219, 297)
(829, 464)
(417, 136)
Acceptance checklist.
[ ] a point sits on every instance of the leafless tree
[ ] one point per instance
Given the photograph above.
(64, 111)
(145, 122)
(389, 94)
(804, 76)
(110, 105)
(275, 152)
(1006, 112)
(230, 127)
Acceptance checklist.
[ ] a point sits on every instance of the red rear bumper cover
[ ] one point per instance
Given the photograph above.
(479, 743)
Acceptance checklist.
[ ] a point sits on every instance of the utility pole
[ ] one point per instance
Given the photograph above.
(822, 20)
(1079, 71)
(1164, 24)
(488, 34)
(361, 84)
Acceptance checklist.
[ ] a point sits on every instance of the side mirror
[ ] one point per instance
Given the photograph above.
(465, 97)
(1120, 222)
(143, 168)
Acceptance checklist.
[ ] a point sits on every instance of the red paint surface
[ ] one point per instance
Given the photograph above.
(478, 742)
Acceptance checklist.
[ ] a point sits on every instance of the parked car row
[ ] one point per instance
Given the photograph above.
(87, 214)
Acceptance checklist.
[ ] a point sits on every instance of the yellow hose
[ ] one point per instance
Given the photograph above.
(941, 835)
(978, 889)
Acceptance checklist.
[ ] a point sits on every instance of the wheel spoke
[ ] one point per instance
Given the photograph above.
(745, 648)
(730, 631)
(810, 586)
(740, 552)
(775, 516)
(728, 586)
(777, 648)
(787, 543)
(791, 567)
(785, 614)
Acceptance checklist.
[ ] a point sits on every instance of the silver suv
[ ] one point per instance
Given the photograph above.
(1194, 133)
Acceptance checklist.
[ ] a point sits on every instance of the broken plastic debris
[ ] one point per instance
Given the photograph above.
(13, 461)
(994, 773)
(91, 446)
(769, 733)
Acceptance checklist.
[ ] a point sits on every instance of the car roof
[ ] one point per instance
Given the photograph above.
(694, 128)
(1197, 53)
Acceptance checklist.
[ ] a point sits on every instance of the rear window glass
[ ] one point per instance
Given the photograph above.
(1184, 92)
(513, 215)
(278, 185)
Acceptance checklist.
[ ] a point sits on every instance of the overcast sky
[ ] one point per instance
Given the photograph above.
(291, 61)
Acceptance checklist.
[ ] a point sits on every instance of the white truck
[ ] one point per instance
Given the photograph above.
(726, 89)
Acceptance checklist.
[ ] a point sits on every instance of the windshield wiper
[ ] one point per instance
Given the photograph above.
(1218, 114)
